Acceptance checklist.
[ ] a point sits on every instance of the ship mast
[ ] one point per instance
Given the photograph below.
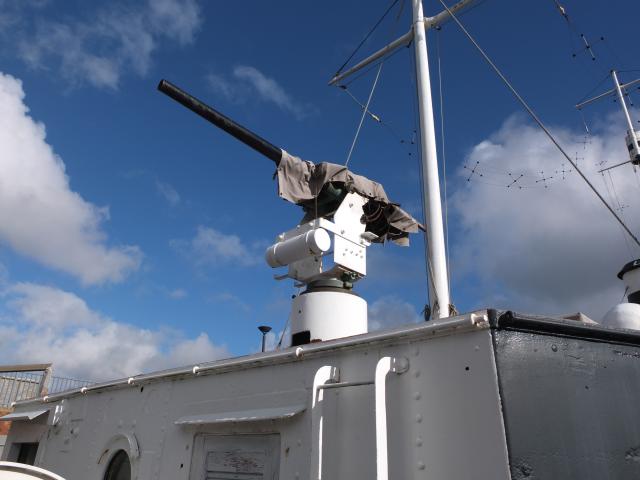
(632, 138)
(436, 254)
(632, 134)
(436, 251)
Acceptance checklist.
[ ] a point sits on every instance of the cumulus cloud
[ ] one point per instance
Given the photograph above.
(44, 324)
(212, 248)
(544, 246)
(249, 82)
(98, 50)
(41, 306)
(40, 216)
(391, 311)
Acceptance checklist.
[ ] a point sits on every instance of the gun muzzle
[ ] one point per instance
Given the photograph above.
(247, 137)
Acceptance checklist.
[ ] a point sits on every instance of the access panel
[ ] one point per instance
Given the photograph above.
(236, 457)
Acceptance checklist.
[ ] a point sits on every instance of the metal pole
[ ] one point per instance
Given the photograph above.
(430, 22)
(608, 92)
(439, 19)
(614, 166)
(436, 255)
(264, 329)
(43, 388)
(400, 42)
(623, 103)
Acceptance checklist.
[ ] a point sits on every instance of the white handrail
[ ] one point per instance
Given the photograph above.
(324, 375)
(384, 366)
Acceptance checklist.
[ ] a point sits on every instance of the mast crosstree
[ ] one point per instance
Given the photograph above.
(633, 135)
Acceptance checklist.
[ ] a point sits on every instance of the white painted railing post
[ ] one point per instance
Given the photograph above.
(384, 366)
(324, 375)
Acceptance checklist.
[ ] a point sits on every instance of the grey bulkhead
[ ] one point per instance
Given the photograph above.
(443, 414)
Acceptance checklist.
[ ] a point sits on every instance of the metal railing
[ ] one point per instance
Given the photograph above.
(22, 382)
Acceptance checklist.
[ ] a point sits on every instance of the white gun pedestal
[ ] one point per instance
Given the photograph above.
(324, 312)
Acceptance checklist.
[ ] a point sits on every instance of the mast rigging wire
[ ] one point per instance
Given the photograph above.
(365, 110)
(538, 121)
(428, 271)
(366, 37)
(562, 10)
(615, 200)
(590, 92)
(369, 112)
(444, 159)
(371, 67)
(379, 119)
(375, 82)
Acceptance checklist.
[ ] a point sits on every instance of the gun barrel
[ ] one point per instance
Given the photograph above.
(221, 121)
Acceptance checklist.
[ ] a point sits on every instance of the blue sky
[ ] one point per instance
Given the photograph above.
(150, 253)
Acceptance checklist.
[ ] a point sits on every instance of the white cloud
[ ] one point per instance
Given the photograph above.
(178, 294)
(76, 62)
(224, 88)
(269, 90)
(543, 250)
(100, 49)
(40, 216)
(12, 11)
(247, 81)
(41, 305)
(176, 19)
(213, 248)
(46, 324)
(167, 192)
(191, 351)
(390, 311)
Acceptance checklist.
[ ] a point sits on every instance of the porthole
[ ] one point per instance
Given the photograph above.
(119, 467)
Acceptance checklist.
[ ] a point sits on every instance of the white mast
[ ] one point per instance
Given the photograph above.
(436, 257)
(632, 138)
(436, 254)
(632, 134)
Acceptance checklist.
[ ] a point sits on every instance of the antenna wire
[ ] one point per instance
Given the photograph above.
(538, 121)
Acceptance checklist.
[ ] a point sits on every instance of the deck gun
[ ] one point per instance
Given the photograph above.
(326, 252)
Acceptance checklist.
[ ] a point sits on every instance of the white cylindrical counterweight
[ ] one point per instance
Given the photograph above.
(325, 315)
(311, 243)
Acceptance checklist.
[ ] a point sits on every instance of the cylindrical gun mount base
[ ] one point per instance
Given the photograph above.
(326, 313)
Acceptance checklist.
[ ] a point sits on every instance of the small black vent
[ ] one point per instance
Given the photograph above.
(301, 338)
